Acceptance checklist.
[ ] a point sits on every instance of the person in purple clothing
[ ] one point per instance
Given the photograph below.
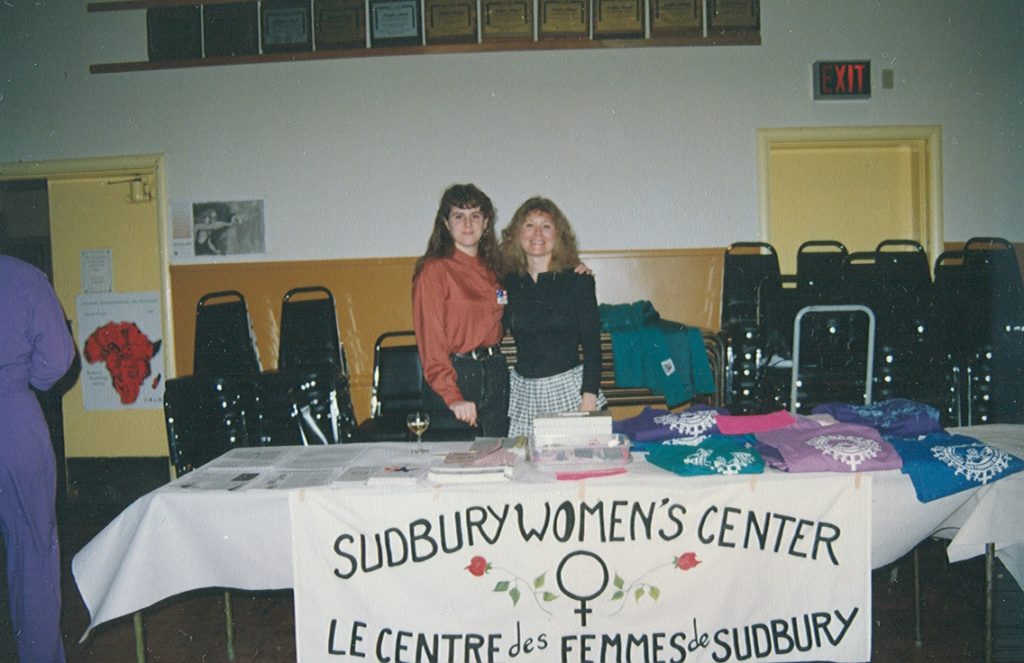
(36, 350)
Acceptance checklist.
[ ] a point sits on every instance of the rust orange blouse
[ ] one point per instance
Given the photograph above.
(454, 309)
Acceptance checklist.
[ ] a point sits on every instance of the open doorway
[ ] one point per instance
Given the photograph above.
(25, 234)
(855, 185)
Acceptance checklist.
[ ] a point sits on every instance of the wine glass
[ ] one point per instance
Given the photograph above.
(418, 423)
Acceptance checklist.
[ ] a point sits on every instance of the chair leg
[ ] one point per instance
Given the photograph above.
(918, 640)
(140, 643)
(229, 625)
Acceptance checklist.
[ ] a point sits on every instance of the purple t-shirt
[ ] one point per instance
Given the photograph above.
(898, 417)
(654, 426)
(807, 446)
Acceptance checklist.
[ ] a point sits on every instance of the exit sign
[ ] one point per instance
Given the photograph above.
(842, 80)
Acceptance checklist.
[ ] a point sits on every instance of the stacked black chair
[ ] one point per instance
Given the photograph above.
(206, 416)
(950, 295)
(909, 362)
(980, 298)
(215, 409)
(307, 399)
(751, 271)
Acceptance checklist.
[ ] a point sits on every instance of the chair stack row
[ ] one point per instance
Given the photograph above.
(874, 326)
(229, 401)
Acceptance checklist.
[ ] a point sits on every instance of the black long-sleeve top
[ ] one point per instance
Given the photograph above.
(550, 321)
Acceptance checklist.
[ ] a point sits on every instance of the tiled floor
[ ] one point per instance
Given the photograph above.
(190, 629)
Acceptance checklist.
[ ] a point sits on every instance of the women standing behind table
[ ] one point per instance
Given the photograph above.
(457, 311)
(552, 312)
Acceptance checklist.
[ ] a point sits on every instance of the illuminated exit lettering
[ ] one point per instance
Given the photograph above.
(842, 80)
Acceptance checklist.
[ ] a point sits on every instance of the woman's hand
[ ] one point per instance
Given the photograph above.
(589, 402)
(583, 269)
(464, 411)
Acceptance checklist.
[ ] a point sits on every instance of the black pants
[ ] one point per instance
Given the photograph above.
(481, 381)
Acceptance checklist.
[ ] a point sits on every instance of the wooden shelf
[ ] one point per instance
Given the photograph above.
(727, 39)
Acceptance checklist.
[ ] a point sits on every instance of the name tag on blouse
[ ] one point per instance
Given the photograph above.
(502, 297)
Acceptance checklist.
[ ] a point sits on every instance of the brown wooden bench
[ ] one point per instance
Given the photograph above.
(636, 396)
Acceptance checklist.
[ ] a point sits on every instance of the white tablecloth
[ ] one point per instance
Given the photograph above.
(177, 539)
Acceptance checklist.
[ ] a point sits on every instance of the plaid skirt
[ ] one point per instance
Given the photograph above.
(529, 397)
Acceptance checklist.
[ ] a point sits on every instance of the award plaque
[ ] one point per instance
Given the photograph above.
(231, 29)
(733, 16)
(287, 26)
(619, 19)
(563, 19)
(174, 33)
(395, 23)
(507, 20)
(675, 18)
(450, 21)
(339, 24)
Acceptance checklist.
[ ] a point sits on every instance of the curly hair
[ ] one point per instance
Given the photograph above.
(512, 258)
(441, 244)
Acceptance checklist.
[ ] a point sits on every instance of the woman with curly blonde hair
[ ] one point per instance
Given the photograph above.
(552, 314)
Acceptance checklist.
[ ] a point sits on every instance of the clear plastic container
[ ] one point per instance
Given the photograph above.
(574, 454)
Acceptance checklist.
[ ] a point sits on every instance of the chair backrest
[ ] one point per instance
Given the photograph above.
(207, 416)
(994, 280)
(819, 268)
(309, 332)
(746, 266)
(225, 343)
(397, 375)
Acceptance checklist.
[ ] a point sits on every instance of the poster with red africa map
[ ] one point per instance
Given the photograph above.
(121, 348)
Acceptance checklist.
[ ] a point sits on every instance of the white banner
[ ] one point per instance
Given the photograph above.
(716, 569)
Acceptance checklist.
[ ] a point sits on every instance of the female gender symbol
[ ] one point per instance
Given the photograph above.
(583, 610)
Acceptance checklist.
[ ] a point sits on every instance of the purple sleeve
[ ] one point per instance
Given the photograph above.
(53, 349)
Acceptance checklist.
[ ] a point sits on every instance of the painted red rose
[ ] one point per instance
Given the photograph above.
(478, 566)
(687, 561)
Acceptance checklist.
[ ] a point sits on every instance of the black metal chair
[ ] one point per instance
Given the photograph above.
(398, 390)
(397, 387)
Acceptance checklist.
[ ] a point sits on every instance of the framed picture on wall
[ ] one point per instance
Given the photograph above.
(395, 23)
(231, 29)
(339, 24)
(228, 228)
(286, 26)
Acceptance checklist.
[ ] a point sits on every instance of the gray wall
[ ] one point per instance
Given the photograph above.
(642, 147)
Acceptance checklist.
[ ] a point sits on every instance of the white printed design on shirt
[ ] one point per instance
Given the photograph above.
(733, 463)
(692, 425)
(850, 450)
(976, 462)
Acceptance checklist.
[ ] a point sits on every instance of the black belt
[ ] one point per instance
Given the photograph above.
(483, 352)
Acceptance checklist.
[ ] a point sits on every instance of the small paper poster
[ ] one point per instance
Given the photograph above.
(120, 342)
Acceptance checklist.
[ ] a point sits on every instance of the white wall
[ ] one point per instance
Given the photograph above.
(642, 147)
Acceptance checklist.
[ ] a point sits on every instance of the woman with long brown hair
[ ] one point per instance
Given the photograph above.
(457, 306)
